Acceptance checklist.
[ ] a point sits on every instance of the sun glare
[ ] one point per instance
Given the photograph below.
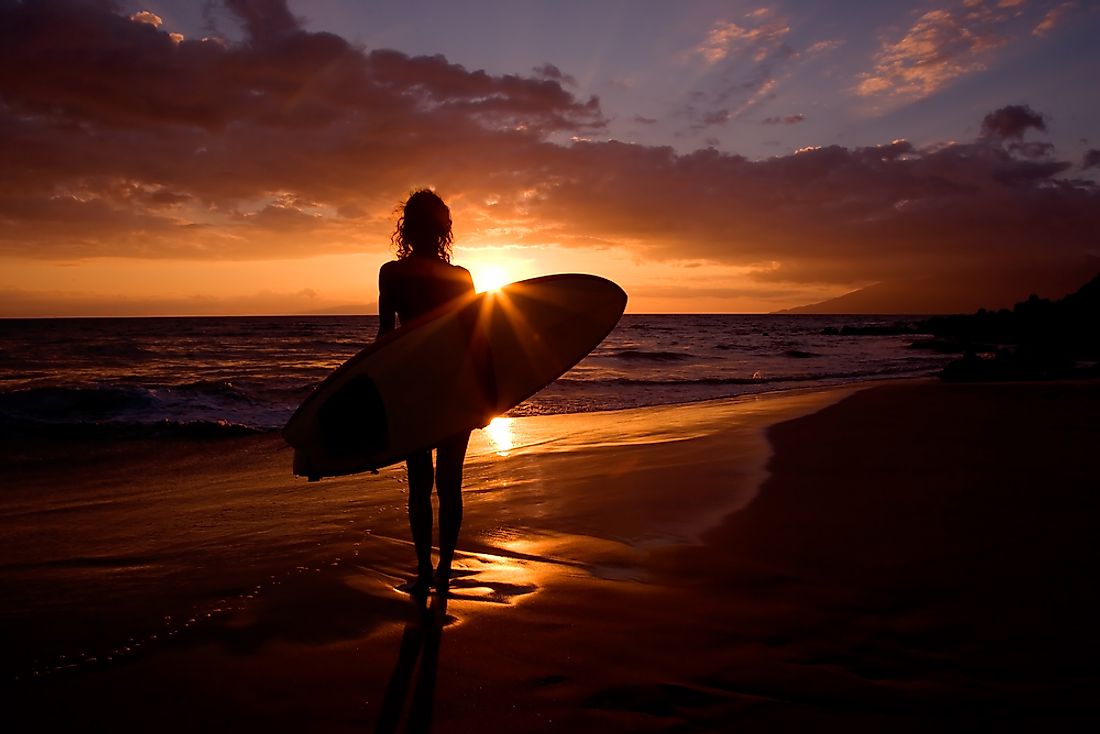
(491, 278)
(499, 432)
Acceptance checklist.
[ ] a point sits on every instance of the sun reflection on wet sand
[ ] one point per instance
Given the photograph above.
(497, 579)
(511, 437)
(499, 433)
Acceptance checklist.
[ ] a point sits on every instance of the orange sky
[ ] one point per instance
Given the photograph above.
(345, 283)
(148, 171)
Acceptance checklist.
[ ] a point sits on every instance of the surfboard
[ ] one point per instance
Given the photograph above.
(450, 371)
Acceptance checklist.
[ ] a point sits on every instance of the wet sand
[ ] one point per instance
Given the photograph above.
(899, 558)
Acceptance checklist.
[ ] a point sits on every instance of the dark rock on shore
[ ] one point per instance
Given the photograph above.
(1036, 339)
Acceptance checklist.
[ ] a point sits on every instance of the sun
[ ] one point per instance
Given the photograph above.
(491, 278)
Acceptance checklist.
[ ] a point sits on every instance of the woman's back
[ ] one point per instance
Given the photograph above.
(414, 285)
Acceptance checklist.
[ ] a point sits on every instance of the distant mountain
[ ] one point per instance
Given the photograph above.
(957, 294)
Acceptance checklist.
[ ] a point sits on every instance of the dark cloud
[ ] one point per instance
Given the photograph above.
(549, 71)
(785, 120)
(834, 214)
(1012, 122)
(265, 20)
(76, 61)
(118, 140)
(644, 120)
(102, 116)
(1091, 159)
(1032, 149)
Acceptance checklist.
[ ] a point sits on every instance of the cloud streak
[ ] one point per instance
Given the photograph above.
(946, 43)
(758, 39)
(742, 62)
(37, 304)
(784, 120)
(1053, 19)
(939, 47)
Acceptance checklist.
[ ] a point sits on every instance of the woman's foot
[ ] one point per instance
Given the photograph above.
(442, 580)
(420, 586)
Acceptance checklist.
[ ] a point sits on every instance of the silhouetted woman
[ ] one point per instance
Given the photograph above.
(419, 280)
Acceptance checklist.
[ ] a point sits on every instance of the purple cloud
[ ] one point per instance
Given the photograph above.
(549, 71)
(1012, 122)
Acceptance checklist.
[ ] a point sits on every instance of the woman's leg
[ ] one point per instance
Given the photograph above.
(421, 477)
(449, 459)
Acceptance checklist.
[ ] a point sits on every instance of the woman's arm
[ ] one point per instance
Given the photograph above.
(386, 310)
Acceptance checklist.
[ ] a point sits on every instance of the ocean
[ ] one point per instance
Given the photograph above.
(236, 375)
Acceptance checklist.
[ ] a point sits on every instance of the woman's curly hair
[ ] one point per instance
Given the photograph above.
(423, 227)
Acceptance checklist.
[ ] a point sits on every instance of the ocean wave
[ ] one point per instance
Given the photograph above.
(567, 382)
(212, 402)
(64, 403)
(222, 389)
(112, 430)
(648, 356)
(756, 378)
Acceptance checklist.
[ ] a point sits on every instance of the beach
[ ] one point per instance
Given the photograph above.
(893, 556)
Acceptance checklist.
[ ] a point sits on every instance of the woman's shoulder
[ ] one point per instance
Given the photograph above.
(388, 270)
(423, 266)
(462, 275)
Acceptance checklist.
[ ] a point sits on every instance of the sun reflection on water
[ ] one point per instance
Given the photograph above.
(499, 432)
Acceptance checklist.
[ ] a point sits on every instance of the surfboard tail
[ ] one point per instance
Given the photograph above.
(303, 467)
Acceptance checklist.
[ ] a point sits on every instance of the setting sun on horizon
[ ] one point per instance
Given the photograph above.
(490, 277)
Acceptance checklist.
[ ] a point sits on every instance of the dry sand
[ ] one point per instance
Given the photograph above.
(912, 556)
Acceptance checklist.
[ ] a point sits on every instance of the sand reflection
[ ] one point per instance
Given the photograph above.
(501, 438)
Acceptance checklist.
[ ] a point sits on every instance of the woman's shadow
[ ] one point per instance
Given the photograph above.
(419, 643)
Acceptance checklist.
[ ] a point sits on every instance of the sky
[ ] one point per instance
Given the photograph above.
(247, 156)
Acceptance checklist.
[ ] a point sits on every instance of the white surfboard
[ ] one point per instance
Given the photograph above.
(449, 372)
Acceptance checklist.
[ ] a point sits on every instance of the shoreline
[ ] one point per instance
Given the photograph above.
(640, 585)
